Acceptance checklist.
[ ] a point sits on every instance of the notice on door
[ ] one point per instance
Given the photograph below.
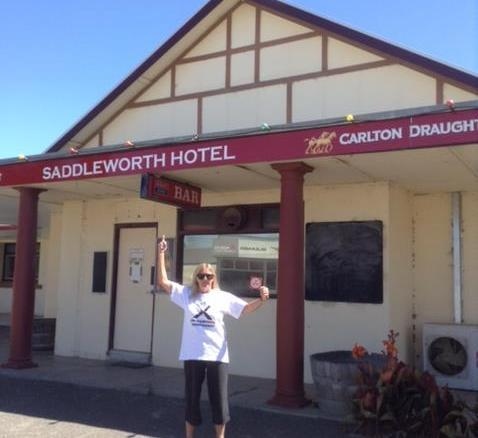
(136, 261)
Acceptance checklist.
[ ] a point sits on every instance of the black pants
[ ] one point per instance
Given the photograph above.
(217, 375)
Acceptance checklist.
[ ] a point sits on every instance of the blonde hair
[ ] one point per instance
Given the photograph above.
(203, 267)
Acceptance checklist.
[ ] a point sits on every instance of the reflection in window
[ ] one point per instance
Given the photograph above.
(236, 258)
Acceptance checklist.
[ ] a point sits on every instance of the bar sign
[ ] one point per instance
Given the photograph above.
(165, 190)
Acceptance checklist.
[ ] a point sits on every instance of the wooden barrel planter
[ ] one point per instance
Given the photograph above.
(43, 334)
(335, 375)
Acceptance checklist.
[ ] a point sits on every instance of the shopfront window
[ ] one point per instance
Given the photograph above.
(242, 243)
(238, 259)
(8, 261)
(8, 265)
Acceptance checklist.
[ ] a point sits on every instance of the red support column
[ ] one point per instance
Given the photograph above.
(290, 303)
(24, 281)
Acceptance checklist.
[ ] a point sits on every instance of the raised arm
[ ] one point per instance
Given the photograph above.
(162, 277)
(258, 302)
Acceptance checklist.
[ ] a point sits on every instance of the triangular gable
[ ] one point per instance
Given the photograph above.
(343, 55)
(214, 41)
(188, 93)
(274, 27)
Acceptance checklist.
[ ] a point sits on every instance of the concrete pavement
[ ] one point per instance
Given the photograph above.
(93, 398)
(37, 409)
(248, 396)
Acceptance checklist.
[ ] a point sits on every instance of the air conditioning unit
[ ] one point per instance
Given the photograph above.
(450, 353)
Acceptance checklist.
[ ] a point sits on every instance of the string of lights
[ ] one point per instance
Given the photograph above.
(264, 128)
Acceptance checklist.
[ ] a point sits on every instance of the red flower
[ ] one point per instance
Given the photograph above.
(390, 348)
(358, 351)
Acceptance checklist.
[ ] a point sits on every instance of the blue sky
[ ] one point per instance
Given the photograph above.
(60, 58)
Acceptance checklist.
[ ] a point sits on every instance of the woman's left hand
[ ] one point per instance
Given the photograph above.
(264, 291)
(253, 305)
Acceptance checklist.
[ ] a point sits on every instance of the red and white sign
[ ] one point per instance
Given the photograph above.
(255, 282)
(425, 131)
(160, 189)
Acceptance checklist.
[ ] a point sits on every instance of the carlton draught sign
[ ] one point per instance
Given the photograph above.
(356, 137)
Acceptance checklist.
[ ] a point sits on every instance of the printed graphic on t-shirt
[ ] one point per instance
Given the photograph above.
(202, 317)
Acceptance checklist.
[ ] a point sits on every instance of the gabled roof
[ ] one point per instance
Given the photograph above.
(213, 10)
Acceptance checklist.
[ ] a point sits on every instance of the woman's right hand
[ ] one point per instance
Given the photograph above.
(162, 277)
(162, 245)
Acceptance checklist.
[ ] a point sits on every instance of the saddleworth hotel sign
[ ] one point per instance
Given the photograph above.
(423, 131)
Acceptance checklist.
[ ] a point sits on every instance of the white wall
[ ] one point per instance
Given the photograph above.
(83, 316)
(394, 87)
(433, 259)
(51, 258)
(470, 257)
(433, 281)
(245, 109)
(146, 123)
(400, 270)
(69, 274)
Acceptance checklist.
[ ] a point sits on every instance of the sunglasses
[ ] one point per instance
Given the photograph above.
(203, 276)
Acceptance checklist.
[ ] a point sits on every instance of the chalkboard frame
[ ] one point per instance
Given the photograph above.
(344, 261)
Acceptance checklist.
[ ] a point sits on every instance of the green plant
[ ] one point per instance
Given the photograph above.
(400, 401)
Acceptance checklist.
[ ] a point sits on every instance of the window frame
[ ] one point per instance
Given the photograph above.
(262, 272)
(6, 280)
(257, 222)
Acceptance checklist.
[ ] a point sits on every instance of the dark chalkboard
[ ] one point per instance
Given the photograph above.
(344, 262)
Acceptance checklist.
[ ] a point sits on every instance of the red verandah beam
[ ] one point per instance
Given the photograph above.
(423, 131)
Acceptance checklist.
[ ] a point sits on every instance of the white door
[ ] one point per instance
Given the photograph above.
(133, 324)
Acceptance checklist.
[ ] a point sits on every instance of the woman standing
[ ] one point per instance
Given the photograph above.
(204, 344)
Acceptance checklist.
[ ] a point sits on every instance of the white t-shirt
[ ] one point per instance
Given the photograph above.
(204, 332)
